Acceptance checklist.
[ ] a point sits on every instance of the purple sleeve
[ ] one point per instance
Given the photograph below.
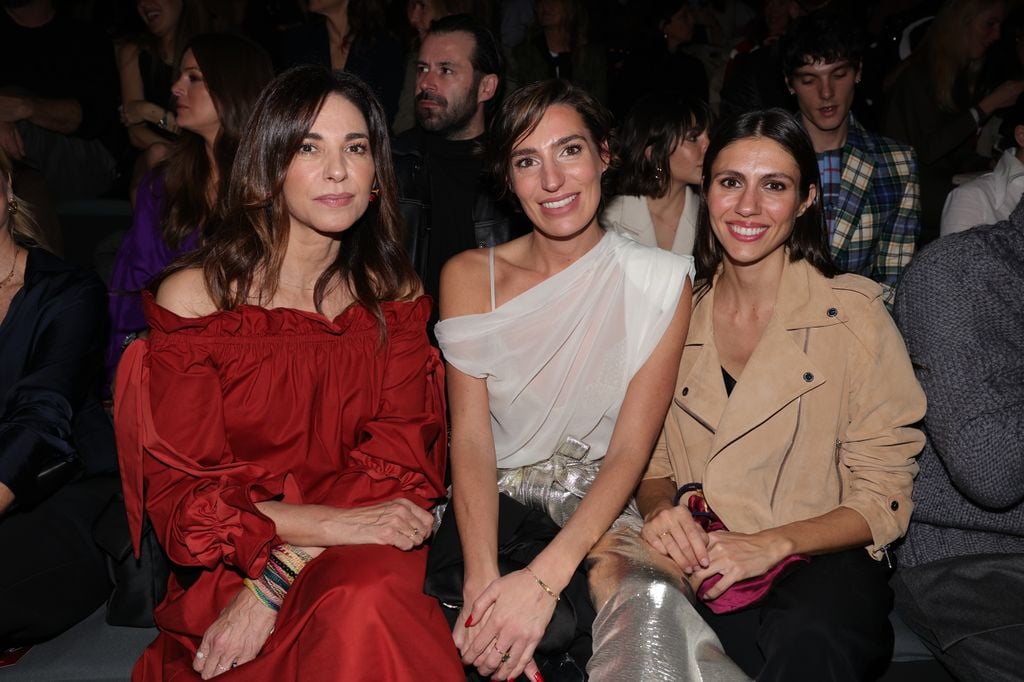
(142, 256)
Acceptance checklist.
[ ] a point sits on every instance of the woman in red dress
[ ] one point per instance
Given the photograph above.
(285, 418)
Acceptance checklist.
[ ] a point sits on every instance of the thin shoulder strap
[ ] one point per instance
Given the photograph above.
(490, 264)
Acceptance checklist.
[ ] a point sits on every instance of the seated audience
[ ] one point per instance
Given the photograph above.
(283, 427)
(868, 182)
(146, 67)
(58, 98)
(960, 578)
(57, 458)
(936, 104)
(657, 158)
(559, 46)
(349, 35)
(560, 347)
(222, 75)
(660, 61)
(791, 423)
(993, 196)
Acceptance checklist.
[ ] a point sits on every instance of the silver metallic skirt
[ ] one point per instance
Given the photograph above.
(646, 629)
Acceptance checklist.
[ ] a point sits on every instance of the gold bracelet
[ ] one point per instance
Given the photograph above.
(543, 585)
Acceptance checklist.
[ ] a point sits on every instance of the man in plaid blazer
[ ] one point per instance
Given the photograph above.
(869, 185)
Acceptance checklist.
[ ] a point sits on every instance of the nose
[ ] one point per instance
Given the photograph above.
(178, 87)
(335, 169)
(826, 89)
(703, 142)
(749, 201)
(551, 177)
(425, 81)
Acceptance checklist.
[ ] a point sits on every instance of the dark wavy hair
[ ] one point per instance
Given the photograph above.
(660, 121)
(809, 239)
(242, 259)
(521, 112)
(235, 70)
(821, 37)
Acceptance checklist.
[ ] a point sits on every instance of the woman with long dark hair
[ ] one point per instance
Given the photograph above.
(283, 427)
(222, 75)
(790, 432)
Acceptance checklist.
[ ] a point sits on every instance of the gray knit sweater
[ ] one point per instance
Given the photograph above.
(960, 306)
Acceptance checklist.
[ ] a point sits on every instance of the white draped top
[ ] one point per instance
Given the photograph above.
(559, 357)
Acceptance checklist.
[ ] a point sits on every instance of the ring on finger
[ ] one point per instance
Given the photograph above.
(200, 655)
(505, 655)
(667, 532)
(234, 664)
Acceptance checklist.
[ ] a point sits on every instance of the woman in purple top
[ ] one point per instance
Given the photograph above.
(222, 75)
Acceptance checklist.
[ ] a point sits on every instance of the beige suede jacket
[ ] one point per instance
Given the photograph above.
(822, 417)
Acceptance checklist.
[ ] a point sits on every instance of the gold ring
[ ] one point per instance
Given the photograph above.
(661, 535)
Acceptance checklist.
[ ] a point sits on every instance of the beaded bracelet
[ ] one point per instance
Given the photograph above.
(282, 569)
(544, 585)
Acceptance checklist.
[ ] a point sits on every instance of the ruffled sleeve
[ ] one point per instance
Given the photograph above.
(176, 462)
(402, 446)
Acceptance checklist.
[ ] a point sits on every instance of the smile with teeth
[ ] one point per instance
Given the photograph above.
(560, 203)
(748, 230)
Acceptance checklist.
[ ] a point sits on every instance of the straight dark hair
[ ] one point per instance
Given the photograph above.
(660, 121)
(235, 70)
(821, 37)
(487, 56)
(809, 239)
(241, 260)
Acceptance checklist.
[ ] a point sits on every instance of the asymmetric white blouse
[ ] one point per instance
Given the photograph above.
(559, 357)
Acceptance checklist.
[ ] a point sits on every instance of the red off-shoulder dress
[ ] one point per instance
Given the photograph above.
(217, 413)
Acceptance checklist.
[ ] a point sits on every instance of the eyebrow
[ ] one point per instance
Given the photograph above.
(350, 136)
(557, 143)
(766, 176)
(447, 63)
(831, 66)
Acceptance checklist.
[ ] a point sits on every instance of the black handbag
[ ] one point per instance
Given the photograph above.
(523, 533)
(139, 584)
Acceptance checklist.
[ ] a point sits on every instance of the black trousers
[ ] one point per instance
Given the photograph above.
(53, 575)
(827, 620)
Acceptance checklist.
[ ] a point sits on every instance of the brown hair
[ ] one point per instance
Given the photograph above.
(235, 70)
(242, 258)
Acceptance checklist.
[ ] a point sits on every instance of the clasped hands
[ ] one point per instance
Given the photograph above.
(245, 624)
(501, 625)
(672, 532)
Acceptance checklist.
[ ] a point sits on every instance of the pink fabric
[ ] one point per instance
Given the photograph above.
(745, 592)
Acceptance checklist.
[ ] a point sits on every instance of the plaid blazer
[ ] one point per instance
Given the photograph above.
(878, 212)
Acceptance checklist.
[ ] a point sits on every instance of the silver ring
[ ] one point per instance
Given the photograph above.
(200, 655)
(221, 667)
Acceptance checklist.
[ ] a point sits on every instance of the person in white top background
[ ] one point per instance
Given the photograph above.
(993, 196)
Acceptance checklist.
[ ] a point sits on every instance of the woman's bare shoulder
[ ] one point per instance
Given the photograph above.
(184, 293)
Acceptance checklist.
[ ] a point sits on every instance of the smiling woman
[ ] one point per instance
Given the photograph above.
(830, 476)
(284, 426)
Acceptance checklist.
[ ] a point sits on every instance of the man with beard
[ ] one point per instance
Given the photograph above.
(869, 185)
(447, 206)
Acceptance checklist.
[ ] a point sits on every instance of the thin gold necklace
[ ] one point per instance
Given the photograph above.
(10, 275)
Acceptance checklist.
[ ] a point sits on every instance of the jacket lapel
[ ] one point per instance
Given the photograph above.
(854, 182)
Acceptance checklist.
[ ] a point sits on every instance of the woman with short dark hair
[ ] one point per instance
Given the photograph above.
(791, 429)
(657, 158)
(283, 427)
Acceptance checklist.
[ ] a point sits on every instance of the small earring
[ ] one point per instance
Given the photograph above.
(12, 206)
(657, 173)
(374, 193)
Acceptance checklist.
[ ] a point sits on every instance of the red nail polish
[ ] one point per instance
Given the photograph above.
(537, 677)
(469, 621)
